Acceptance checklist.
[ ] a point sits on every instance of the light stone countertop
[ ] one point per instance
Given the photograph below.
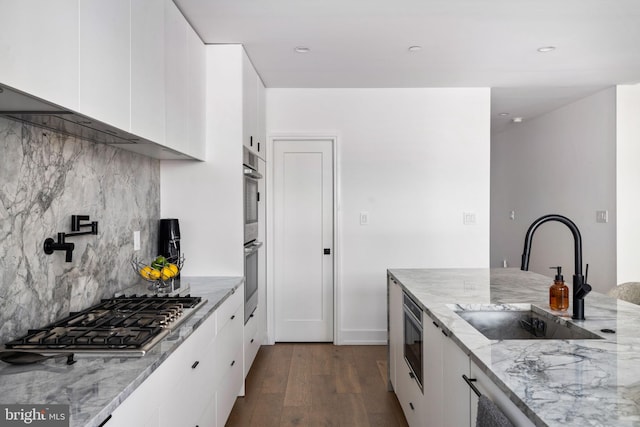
(554, 382)
(94, 386)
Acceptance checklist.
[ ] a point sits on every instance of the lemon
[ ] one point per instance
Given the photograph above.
(146, 272)
(154, 274)
(166, 273)
(173, 268)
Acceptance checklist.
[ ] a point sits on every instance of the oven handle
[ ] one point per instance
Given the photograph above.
(248, 172)
(252, 247)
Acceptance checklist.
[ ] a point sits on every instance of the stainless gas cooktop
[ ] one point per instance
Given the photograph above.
(123, 326)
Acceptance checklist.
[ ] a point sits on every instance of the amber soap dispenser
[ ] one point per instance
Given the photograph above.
(559, 292)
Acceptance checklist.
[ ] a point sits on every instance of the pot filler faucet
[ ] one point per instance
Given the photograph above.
(580, 286)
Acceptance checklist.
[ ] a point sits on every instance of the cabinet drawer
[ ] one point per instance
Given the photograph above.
(227, 344)
(410, 396)
(252, 343)
(228, 389)
(251, 327)
(229, 308)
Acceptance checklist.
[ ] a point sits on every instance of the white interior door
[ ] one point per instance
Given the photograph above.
(303, 240)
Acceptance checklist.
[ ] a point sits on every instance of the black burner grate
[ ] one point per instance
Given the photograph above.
(123, 323)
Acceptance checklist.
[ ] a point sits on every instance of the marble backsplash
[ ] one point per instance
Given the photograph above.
(44, 179)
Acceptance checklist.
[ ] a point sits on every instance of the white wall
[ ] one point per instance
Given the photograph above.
(628, 182)
(562, 162)
(207, 196)
(415, 159)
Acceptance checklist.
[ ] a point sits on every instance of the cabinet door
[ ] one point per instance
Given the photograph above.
(196, 82)
(176, 75)
(228, 389)
(249, 104)
(455, 391)
(489, 389)
(410, 396)
(433, 373)
(395, 330)
(192, 373)
(105, 52)
(39, 49)
(252, 339)
(147, 70)
(140, 409)
(261, 130)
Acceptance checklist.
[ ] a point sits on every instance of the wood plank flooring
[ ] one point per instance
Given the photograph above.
(313, 385)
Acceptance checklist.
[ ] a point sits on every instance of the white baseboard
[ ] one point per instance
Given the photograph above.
(362, 337)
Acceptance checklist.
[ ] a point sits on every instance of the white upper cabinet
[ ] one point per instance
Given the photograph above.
(196, 91)
(39, 51)
(249, 104)
(134, 65)
(105, 61)
(185, 85)
(147, 69)
(253, 105)
(176, 59)
(262, 118)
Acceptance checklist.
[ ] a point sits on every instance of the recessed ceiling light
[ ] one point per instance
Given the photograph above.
(517, 120)
(503, 114)
(546, 49)
(302, 49)
(415, 48)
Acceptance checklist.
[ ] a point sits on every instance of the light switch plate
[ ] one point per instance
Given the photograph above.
(468, 218)
(136, 240)
(602, 216)
(364, 218)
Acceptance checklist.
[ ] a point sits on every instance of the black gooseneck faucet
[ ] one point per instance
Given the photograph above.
(580, 286)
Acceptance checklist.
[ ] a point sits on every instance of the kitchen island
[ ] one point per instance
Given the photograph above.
(95, 386)
(592, 382)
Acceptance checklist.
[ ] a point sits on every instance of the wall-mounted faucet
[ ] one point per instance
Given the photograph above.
(580, 286)
(76, 225)
(51, 245)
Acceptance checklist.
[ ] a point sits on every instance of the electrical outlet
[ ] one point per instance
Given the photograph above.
(468, 218)
(136, 240)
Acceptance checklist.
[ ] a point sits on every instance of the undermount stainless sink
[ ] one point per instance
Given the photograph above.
(520, 322)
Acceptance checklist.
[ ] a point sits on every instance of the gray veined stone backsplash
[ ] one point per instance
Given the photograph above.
(44, 179)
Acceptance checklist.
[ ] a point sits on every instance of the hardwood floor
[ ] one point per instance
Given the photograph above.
(299, 384)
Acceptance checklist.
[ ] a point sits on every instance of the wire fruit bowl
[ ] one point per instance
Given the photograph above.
(160, 272)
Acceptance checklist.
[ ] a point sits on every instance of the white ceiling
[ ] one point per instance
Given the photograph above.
(465, 43)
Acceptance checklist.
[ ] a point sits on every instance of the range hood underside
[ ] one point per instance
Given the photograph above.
(28, 109)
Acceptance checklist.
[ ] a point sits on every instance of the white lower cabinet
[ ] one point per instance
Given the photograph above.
(409, 395)
(489, 389)
(252, 339)
(446, 400)
(395, 330)
(201, 378)
(455, 391)
(228, 389)
(433, 372)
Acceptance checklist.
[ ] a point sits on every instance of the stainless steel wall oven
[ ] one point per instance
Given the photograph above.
(251, 196)
(251, 244)
(250, 279)
(413, 337)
